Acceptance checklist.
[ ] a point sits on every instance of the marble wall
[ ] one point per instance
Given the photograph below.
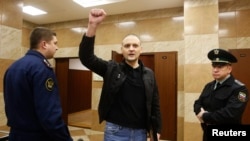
(191, 30)
(219, 25)
(10, 41)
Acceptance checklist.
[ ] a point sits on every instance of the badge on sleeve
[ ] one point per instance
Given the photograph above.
(49, 84)
(242, 96)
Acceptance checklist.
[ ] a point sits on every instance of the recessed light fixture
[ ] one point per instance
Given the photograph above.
(33, 11)
(91, 3)
(126, 24)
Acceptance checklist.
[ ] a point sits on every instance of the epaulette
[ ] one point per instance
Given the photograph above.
(47, 63)
(239, 83)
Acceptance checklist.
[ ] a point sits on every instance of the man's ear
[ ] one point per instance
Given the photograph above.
(43, 44)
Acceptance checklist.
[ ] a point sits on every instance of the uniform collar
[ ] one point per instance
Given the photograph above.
(38, 54)
(223, 79)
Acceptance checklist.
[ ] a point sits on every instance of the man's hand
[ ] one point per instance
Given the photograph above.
(96, 16)
(200, 114)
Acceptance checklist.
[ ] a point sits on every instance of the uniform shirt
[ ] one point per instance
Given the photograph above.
(32, 101)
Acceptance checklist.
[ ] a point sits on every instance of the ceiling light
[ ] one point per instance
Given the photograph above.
(79, 29)
(126, 24)
(91, 3)
(227, 14)
(181, 18)
(33, 11)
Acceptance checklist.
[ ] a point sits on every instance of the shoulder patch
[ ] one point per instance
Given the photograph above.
(238, 82)
(49, 84)
(242, 97)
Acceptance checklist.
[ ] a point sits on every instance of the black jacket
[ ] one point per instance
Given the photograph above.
(225, 104)
(113, 77)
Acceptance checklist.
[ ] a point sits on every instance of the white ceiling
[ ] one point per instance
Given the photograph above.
(67, 10)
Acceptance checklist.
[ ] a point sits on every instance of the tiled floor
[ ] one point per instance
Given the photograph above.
(83, 126)
(85, 134)
(81, 134)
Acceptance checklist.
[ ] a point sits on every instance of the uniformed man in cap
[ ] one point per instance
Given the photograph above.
(224, 99)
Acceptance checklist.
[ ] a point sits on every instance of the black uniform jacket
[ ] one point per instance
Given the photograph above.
(114, 76)
(225, 104)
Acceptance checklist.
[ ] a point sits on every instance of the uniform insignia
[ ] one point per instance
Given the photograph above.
(216, 51)
(242, 96)
(238, 82)
(49, 84)
(47, 63)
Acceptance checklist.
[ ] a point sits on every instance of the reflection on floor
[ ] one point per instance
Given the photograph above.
(83, 126)
(85, 134)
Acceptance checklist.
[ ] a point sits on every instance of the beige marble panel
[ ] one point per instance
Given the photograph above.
(201, 20)
(10, 43)
(25, 37)
(180, 128)
(162, 46)
(197, 47)
(96, 94)
(180, 104)
(107, 34)
(4, 64)
(3, 119)
(242, 4)
(243, 22)
(164, 29)
(235, 43)
(67, 52)
(196, 76)
(193, 132)
(111, 34)
(243, 42)
(228, 43)
(233, 5)
(199, 3)
(24, 50)
(227, 6)
(227, 25)
(11, 10)
(151, 14)
(1, 13)
(189, 110)
(69, 37)
(180, 77)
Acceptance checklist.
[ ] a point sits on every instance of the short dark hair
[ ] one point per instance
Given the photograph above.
(38, 34)
(131, 34)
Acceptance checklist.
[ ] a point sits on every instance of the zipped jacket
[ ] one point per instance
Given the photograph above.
(114, 75)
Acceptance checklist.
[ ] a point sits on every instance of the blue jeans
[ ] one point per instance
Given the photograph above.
(114, 132)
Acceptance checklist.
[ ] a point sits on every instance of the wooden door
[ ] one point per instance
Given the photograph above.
(75, 87)
(166, 76)
(164, 64)
(241, 71)
(61, 71)
(79, 90)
